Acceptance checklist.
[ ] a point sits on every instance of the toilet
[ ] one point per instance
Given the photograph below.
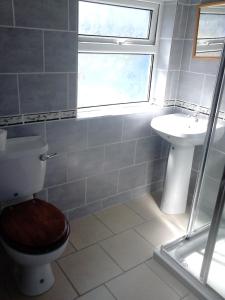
(33, 232)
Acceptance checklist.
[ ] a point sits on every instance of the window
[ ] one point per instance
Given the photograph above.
(116, 51)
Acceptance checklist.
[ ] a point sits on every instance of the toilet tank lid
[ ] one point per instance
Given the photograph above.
(22, 146)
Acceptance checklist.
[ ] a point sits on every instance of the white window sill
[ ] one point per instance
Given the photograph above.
(116, 110)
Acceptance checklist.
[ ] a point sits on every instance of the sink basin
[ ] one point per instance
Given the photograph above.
(180, 129)
(184, 133)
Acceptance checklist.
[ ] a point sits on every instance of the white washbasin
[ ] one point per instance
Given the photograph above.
(184, 133)
(183, 130)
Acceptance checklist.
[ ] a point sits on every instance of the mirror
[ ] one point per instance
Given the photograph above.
(210, 30)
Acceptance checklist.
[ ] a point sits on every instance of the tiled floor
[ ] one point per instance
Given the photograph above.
(110, 257)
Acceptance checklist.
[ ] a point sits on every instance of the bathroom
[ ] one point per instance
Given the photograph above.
(107, 169)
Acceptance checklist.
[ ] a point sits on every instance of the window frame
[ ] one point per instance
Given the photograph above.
(99, 44)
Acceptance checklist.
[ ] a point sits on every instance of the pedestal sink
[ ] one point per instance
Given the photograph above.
(184, 133)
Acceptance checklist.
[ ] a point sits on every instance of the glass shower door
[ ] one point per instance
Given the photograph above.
(201, 252)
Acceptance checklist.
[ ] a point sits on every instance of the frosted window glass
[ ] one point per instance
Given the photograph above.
(113, 21)
(105, 79)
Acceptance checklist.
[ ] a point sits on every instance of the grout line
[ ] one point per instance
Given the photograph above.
(112, 258)
(38, 28)
(43, 50)
(135, 152)
(68, 15)
(85, 191)
(202, 89)
(13, 12)
(110, 292)
(118, 181)
(164, 281)
(18, 92)
(67, 277)
(67, 91)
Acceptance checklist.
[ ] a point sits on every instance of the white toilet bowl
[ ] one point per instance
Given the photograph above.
(33, 273)
(34, 233)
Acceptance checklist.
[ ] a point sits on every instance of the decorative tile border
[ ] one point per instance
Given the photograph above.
(39, 117)
(69, 114)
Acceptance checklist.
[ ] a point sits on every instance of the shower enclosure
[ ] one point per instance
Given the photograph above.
(199, 256)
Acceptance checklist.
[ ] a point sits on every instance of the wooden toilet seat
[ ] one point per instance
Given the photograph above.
(34, 227)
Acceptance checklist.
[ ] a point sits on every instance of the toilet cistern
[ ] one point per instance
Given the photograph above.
(183, 133)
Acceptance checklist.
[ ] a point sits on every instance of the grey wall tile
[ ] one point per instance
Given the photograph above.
(159, 85)
(66, 135)
(148, 149)
(101, 186)
(56, 170)
(72, 91)
(187, 55)
(191, 23)
(180, 21)
(156, 170)
(132, 177)
(9, 102)
(21, 50)
(172, 85)
(85, 163)
(60, 51)
(197, 158)
(26, 130)
(204, 66)
(137, 126)
(140, 192)
(119, 155)
(176, 54)
(190, 87)
(215, 164)
(119, 198)
(68, 196)
(164, 53)
(208, 195)
(41, 14)
(43, 92)
(168, 20)
(6, 13)
(73, 15)
(104, 130)
(208, 89)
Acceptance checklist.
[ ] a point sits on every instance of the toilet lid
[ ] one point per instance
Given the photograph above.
(34, 226)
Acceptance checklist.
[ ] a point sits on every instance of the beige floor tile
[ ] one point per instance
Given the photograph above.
(159, 232)
(89, 268)
(87, 231)
(61, 290)
(128, 249)
(180, 220)
(140, 283)
(69, 250)
(101, 293)
(168, 278)
(146, 207)
(119, 218)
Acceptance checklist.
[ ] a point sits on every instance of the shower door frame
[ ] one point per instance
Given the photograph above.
(200, 285)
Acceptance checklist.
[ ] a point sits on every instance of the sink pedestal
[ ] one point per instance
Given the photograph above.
(178, 174)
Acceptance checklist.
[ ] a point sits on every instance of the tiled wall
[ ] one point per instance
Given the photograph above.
(38, 57)
(101, 161)
(197, 76)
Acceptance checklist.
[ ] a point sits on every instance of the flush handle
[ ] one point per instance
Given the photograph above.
(46, 156)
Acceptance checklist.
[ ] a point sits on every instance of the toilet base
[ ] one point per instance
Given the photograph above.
(34, 280)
